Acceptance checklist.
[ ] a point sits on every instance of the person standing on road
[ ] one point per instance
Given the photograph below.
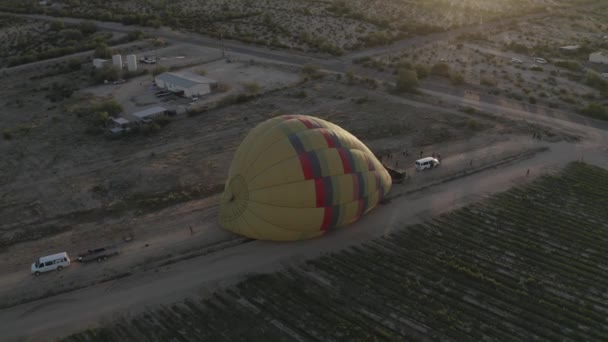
(528, 172)
(191, 231)
(439, 157)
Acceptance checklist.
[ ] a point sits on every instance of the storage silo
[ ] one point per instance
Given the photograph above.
(131, 62)
(117, 61)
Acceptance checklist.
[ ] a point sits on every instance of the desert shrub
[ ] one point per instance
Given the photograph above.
(103, 51)
(7, 135)
(72, 34)
(474, 125)
(516, 47)
(87, 27)
(441, 69)
(252, 88)
(596, 111)
(569, 65)
(594, 80)
(469, 110)
(311, 71)
(74, 64)
(106, 73)
(57, 25)
(487, 82)
(159, 70)
(456, 78)
(222, 87)
(536, 68)
(407, 80)
(422, 70)
(532, 100)
(150, 129)
(202, 72)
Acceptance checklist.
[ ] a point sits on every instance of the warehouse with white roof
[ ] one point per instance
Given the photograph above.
(185, 82)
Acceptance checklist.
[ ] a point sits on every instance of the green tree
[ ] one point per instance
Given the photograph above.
(103, 51)
(407, 80)
(57, 25)
(87, 27)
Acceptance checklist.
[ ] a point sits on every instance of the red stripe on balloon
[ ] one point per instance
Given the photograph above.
(328, 139)
(345, 162)
(320, 192)
(306, 123)
(327, 215)
(306, 165)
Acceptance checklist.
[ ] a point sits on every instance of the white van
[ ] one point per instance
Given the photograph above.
(426, 163)
(50, 263)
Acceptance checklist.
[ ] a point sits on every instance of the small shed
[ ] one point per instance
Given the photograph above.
(99, 62)
(150, 113)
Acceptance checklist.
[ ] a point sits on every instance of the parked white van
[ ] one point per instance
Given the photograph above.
(50, 263)
(426, 163)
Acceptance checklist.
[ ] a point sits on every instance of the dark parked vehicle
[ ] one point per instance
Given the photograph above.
(98, 254)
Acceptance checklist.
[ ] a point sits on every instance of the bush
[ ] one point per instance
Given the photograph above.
(252, 88)
(107, 73)
(7, 134)
(111, 107)
(487, 82)
(457, 78)
(87, 27)
(441, 69)
(57, 25)
(159, 70)
(422, 70)
(596, 81)
(474, 125)
(536, 68)
(596, 111)
(74, 64)
(569, 65)
(103, 51)
(311, 71)
(532, 100)
(407, 80)
(151, 128)
(222, 87)
(72, 34)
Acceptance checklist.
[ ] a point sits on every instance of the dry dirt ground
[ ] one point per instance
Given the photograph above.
(485, 59)
(327, 26)
(66, 190)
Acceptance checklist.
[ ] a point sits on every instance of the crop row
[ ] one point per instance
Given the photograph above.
(526, 264)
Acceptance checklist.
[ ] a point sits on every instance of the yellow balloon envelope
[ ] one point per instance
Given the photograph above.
(296, 177)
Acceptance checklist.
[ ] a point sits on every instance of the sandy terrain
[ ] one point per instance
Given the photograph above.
(326, 26)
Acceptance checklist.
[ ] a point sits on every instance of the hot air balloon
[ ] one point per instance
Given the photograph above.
(296, 177)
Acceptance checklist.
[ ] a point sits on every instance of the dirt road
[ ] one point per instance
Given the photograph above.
(73, 311)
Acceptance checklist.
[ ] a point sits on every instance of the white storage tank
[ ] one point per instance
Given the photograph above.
(131, 62)
(117, 61)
